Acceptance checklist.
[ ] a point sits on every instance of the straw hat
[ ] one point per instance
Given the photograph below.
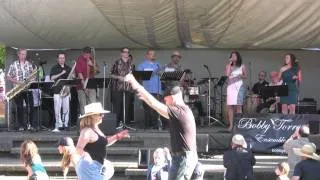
(92, 109)
(238, 139)
(307, 150)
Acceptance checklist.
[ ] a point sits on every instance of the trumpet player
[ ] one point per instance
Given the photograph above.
(60, 99)
(18, 72)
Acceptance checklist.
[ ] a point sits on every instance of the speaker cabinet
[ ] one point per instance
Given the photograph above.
(109, 123)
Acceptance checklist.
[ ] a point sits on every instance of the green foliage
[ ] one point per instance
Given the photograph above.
(2, 56)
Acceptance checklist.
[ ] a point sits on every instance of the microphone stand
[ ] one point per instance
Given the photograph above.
(104, 84)
(209, 101)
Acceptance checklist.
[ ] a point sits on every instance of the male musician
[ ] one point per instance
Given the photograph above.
(260, 84)
(60, 71)
(175, 66)
(153, 86)
(18, 71)
(120, 89)
(85, 69)
(270, 105)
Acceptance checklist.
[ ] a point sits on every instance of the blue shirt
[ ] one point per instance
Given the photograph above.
(154, 84)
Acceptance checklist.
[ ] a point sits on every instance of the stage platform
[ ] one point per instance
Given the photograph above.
(126, 154)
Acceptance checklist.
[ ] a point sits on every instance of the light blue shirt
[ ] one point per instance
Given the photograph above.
(154, 84)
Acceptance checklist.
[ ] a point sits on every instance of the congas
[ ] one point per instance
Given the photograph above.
(251, 104)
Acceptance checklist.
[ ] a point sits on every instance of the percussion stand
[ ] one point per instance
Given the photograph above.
(215, 120)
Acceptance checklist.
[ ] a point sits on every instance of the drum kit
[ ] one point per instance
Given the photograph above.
(204, 101)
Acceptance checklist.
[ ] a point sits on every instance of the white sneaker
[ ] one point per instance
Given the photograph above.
(55, 130)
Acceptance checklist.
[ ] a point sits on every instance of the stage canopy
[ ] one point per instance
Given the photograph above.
(245, 24)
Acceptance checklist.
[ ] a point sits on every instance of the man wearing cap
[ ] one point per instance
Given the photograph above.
(309, 166)
(239, 161)
(296, 140)
(182, 128)
(173, 66)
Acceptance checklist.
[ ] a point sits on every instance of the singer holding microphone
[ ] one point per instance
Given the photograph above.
(291, 75)
(236, 72)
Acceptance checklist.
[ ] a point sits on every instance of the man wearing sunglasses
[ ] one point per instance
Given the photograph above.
(120, 89)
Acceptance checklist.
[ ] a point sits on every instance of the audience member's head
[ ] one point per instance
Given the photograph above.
(238, 141)
(159, 158)
(28, 151)
(308, 151)
(304, 131)
(282, 169)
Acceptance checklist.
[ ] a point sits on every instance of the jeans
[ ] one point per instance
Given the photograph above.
(183, 165)
(89, 169)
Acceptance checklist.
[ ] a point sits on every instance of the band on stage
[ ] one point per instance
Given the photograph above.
(237, 97)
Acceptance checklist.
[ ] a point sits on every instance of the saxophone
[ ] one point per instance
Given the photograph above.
(65, 91)
(17, 89)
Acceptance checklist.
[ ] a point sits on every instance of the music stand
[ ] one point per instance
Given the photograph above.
(171, 76)
(94, 83)
(274, 91)
(220, 84)
(39, 85)
(139, 75)
(142, 75)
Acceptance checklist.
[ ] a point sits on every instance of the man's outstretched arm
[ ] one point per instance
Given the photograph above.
(145, 96)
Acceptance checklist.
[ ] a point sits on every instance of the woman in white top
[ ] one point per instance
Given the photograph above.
(236, 72)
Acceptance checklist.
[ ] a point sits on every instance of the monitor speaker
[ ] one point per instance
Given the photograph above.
(109, 123)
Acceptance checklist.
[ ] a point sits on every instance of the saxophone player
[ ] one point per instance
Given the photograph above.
(61, 100)
(18, 71)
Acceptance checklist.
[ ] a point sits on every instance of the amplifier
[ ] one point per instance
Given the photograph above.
(306, 107)
(108, 124)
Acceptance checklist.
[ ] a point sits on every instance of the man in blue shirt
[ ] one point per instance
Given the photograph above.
(153, 86)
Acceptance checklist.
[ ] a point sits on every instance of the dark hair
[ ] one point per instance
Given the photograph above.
(293, 60)
(239, 59)
(86, 49)
(61, 52)
(123, 48)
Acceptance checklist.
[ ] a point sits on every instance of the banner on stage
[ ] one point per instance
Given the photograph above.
(267, 132)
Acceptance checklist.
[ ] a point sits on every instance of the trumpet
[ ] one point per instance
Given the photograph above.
(17, 89)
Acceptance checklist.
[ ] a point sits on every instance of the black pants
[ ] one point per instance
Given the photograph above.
(118, 107)
(24, 114)
(150, 116)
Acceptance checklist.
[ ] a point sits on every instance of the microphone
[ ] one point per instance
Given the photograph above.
(206, 66)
